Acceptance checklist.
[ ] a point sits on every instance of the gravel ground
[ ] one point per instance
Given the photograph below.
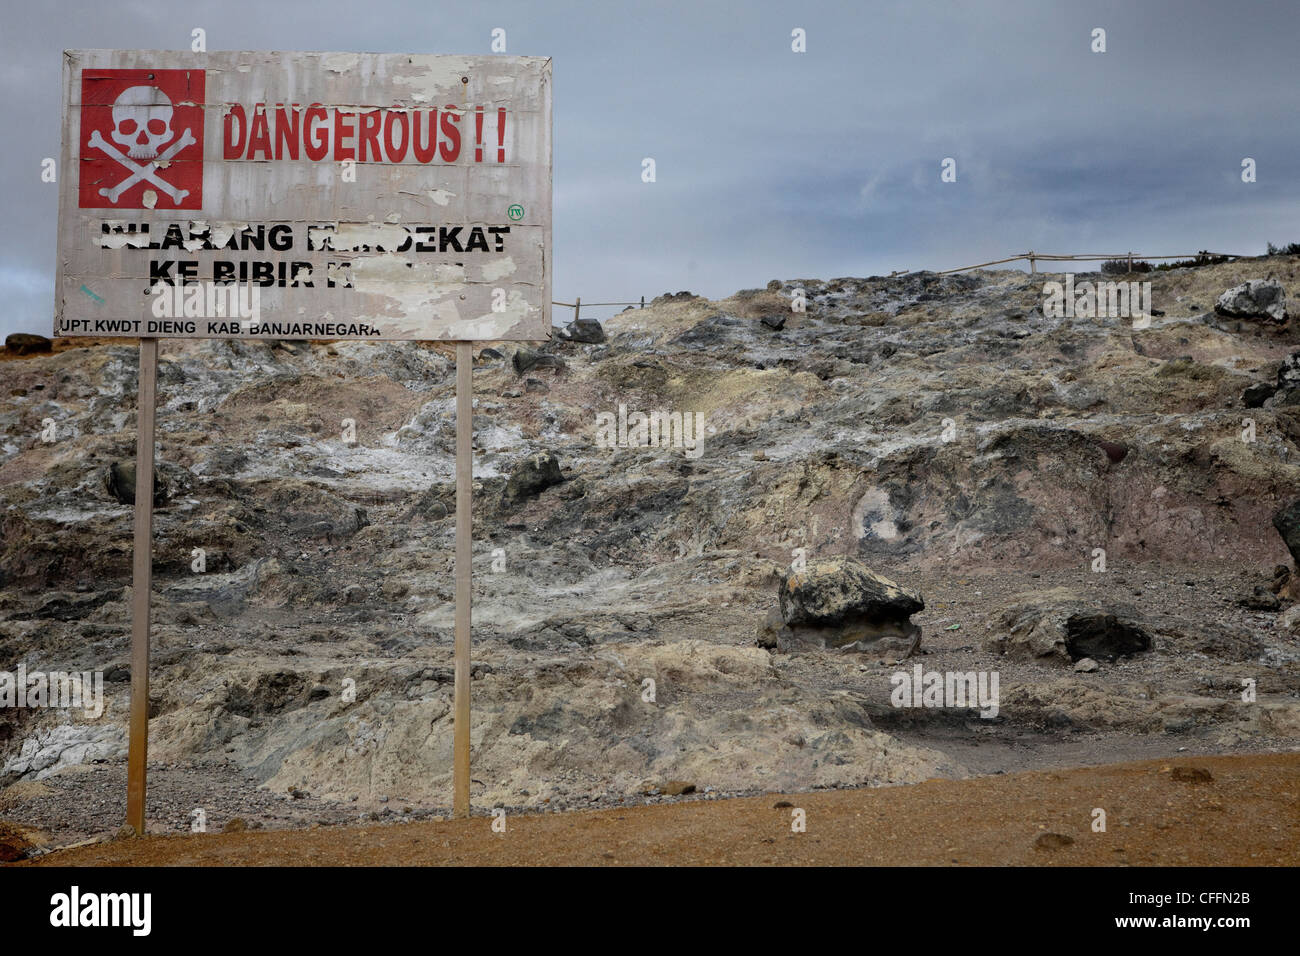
(1222, 811)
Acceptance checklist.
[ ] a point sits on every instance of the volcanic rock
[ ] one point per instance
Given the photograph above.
(586, 331)
(526, 359)
(532, 476)
(1254, 396)
(1191, 775)
(1052, 841)
(1066, 629)
(1288, 380)
(842, 603)
(1260, 599)
(119, 480)
(25, 343)
(676, 788)
(772, 632)
(1254, 299)
(644, 565)
(1287, 522)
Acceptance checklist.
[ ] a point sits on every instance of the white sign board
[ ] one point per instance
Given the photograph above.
(305, 196)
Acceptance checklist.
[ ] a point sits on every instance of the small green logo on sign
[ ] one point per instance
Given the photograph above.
(515, 212)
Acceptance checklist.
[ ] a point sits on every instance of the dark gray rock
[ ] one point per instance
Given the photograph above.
(25, 343)
(1287, 522)
(1103, 636)
(586, 331)
(525, 360)
(1256, 395)
(532, 476)
(1288, 373)
(1260, 599)
(119, 481)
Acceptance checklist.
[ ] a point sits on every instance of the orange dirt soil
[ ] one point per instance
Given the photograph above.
(1248, 814)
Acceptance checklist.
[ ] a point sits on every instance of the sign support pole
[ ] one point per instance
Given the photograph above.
(464, 527)
(141, 587)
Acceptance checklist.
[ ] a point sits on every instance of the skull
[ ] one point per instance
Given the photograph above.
(142, 121)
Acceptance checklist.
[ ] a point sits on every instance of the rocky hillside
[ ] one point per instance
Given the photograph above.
(1083, 506)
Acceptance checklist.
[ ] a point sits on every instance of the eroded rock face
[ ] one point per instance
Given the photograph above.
(1254, 299)
(937, 428)
(885, 639)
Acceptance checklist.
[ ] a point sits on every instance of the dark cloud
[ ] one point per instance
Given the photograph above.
(776, 164)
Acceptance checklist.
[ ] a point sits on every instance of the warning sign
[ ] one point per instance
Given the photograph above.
(305, 195)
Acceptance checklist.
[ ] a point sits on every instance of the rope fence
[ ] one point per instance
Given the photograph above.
(1033, 257)
(576, 305)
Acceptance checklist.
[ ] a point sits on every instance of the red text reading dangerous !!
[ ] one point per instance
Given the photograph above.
(327, 133)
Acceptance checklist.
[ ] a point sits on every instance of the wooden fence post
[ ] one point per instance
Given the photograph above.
(464, 579)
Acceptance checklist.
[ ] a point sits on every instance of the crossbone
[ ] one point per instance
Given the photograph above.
(143, 172)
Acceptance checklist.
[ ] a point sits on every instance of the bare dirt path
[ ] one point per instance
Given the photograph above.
(1158, 812)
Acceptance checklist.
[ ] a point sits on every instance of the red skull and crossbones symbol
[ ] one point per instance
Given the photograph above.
(143, 132)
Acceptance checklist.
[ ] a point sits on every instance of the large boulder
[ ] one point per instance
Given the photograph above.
(841, 603)
(1053, 629)
(586, 331)
(25, 343)
(1256, 299)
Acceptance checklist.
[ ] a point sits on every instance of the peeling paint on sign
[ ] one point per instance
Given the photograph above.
(366, 195)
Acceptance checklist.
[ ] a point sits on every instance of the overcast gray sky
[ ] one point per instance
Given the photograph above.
(775, 164)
